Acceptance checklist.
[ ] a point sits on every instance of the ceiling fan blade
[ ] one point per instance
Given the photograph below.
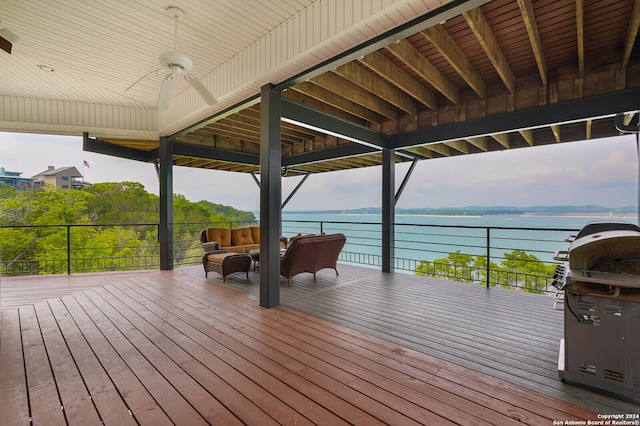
(165, 91)
(206, 95)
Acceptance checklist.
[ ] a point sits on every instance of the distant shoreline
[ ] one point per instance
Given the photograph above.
(594, 215)
(584, 214)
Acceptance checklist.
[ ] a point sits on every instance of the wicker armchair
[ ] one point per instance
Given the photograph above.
(311, 254)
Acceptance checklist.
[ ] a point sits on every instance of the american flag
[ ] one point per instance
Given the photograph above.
(86, 164)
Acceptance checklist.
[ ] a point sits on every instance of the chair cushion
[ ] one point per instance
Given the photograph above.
(255, 234)
(221, 235)
(241, 236)
(217, 257)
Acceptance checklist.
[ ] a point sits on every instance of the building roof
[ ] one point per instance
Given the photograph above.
(69, 171)
(430, 79)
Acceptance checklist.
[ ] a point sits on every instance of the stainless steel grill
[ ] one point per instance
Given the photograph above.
(600, 278)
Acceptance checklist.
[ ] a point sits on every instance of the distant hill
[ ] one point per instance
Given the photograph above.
(483, 210)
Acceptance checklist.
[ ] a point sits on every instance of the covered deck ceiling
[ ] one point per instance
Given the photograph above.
(426, 79)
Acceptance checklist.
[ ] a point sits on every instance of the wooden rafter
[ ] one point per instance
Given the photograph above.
(411, 57)
(502, 139)
(556, 132)
(448, 48)
(377, 86)
(303, 98)
(355, 94)
(441, 149)
(394, 74)
(480, 142)
(529, 17)
(458, 145)
(632, 33)
(580, 35)
(527, 134)
(421, 151)
(337, 101)
(481, 29)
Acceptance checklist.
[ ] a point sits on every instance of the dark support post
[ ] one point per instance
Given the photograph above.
(270, 196)
(488, 257)
(166, 204)
(388, 208)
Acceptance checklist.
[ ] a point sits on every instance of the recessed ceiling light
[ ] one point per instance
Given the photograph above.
(45, 68)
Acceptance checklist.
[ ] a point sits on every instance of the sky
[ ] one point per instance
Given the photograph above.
(601, 172)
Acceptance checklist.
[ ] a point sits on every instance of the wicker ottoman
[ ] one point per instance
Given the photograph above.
(225, 263)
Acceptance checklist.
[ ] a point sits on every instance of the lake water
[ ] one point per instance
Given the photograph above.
(425, 237)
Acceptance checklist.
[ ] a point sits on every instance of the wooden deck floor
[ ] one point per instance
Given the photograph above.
(173, 347)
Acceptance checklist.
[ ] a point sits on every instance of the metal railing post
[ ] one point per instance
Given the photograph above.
(488, 257)
(68, 249)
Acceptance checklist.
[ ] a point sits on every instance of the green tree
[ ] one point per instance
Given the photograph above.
(34, 237)
(518, 269)
(526, 271)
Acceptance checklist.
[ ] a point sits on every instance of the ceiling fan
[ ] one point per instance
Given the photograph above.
(174, 64)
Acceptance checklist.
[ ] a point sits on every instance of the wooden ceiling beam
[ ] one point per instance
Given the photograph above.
(333, 99)
(580, 35)
(502, 139)
(481, 29)
(379, 63)
(459, 145)
(441, 149)
(421, 151)
(555, 129)
(527, 134)
(632, 33)
(211, 132)
(407, 53)
(448, 48)
(379, 87)
(302, 98)
(356, 94)
(529, 17)
(480, 142)
(252, 116)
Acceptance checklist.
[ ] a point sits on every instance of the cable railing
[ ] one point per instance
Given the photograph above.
(493, 256)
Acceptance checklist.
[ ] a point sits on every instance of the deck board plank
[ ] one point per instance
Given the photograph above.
(143, 407)
(161, 389)
(14, 404)
(245, 353)
(179, 351)
(109, 404)
(76, 401)
(210, 353)
(46, 407)
(175, 347)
